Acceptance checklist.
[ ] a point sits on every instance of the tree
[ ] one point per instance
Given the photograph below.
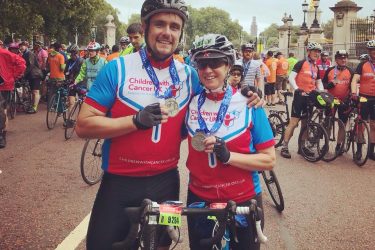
(328, 29)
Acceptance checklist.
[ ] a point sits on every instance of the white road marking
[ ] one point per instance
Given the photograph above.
(76, 236)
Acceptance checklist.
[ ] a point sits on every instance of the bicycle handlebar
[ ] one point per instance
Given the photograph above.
(138, 217)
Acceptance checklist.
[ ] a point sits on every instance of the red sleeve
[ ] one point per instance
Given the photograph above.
(19, 66)
(95, 105)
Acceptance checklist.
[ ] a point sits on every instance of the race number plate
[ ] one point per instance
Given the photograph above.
(170, 215)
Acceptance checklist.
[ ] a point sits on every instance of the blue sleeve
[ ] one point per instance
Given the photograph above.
(261, 131)
(195, 82)
(104, 88)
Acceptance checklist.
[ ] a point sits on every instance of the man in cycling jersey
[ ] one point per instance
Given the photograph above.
(141, 150)
(136, 37)
(12, 66)
(124, 43)
(365, 76)
(303, 79)
(91, 66)
(56, 63)
(323, 63)
(72, 69)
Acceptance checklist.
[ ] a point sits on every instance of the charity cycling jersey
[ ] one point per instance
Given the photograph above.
(366, 70)
(282, 67)
(323, 66)
(90, 69)
(123, 88)
(272, 66)
(307, 75)
(244, 130)
(343, 78)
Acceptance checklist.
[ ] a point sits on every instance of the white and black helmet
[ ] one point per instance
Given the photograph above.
(247, 46)
(213, 46)
(73, 49)
(152, 7)
(124, 39)
(341, 54)
(370, 44)
(364, 57)
(314, 46)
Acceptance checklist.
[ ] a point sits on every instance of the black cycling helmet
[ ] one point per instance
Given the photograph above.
(247, 46)
(213, 46)
(73, 49)
(341, 54)
(152, 7)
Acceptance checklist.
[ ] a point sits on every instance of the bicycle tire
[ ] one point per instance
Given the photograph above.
(271, 183)
(13, 104)
(92, 149)
(52, 112)
(333, 134)
(278, 128)
(315, 133)
(69, 131)
(355, 141)
(27, 97)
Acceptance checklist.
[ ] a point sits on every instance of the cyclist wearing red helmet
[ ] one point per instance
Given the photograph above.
(138, 103)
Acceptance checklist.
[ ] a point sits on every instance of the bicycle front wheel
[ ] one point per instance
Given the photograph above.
(278, 128)
(52, 112)
(72, 120)
(274, 189)
(91, 161)
(313, 142)
(335, 129)
(360, 142)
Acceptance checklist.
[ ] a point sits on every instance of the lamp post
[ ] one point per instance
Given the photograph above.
(305, 6)
(289, 22)
(315, 23)
(372, 16)
(93, 32)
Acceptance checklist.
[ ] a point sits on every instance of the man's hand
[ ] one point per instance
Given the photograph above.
(254, 95)
(150, 116)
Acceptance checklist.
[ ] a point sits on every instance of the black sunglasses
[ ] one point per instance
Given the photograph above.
(212, 63)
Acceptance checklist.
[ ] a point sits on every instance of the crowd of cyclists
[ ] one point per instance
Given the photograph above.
(144, 99)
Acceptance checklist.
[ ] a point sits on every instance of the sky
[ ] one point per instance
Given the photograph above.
(265, 11)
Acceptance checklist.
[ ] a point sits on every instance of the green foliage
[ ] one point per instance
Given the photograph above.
(212, 20)
(60, 20)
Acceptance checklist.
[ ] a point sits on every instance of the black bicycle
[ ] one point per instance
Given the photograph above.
(334, 127)
(57, 105)
(313, 138)
(274, 189)
(91, 161)
(20, 98)
(70, 125)
(146, 220)
(357, 133)
(279, 120)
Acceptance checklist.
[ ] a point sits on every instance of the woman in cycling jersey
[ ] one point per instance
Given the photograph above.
(228, 142)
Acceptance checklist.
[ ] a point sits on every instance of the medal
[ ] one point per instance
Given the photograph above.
(197, 141)
(172, 106)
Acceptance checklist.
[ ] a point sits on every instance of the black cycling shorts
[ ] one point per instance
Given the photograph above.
(200, 227)
(35, 84)
(299, 106)
(109, 223)
(269, 88)
(368, 108)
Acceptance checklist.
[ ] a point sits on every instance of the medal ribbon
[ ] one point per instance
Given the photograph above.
(246, 67)
(311, 69)
(220, 115)
(151, 73)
